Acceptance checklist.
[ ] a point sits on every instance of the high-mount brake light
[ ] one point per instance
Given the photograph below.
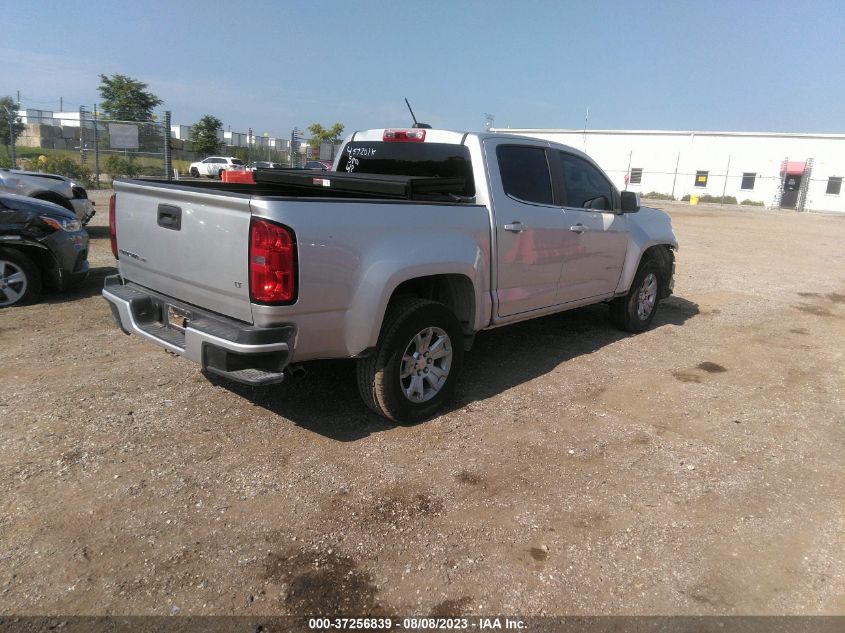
(272, 263)
(113, 225)
(404, 136)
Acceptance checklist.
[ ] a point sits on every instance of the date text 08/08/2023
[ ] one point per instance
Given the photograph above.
(417, 624)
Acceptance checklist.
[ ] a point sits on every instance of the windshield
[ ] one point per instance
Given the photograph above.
(237, 161)
(444, 160)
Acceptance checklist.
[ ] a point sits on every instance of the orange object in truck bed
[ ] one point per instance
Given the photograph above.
(232, 175)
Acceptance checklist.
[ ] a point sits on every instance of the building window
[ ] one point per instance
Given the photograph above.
(636, 175)
(834, 186)
(701, 178)
(748, 180)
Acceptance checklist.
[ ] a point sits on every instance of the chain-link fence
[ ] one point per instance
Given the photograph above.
(124, 148)
(94, 149)
(98, 149)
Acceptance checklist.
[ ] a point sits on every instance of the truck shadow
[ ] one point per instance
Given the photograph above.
(326, 400)
(92, 286)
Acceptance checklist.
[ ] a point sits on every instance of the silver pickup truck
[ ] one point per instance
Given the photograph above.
(417, 240)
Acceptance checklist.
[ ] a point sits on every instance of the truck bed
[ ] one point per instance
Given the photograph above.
(298, 183)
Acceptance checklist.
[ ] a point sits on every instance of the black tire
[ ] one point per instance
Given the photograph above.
(13, 264)
(379, 376)
(220, 173)
(625, 312)
(195, 173)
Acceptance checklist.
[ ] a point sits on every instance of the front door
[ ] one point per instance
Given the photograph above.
(531, 230)
(598, 233)
(791, 186)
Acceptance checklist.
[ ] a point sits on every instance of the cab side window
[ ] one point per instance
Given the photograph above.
(584, 185)
(525, 173)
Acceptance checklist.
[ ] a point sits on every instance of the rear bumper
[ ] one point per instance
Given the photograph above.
(221, 345)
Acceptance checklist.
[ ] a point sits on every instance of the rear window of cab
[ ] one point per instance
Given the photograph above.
(429, 160)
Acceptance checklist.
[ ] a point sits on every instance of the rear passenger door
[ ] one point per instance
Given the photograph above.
(598, 232)
(531, 230)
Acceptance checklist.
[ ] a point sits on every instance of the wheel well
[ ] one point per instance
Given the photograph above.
(454, 291)
(41, 257)
(664, 256)
(55, 198)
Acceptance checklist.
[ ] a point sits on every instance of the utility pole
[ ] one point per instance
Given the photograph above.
(61, 104)
(677, 162)
(725, 186)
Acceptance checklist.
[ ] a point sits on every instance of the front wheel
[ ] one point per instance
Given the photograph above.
(20, 279)
(416, 363)
(635, 311)
(195, 173)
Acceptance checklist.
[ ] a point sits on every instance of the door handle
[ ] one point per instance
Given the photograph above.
(170, 217)
(515, 227)
(579, 228)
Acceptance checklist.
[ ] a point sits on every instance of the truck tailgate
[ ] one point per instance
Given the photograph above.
(187, 244)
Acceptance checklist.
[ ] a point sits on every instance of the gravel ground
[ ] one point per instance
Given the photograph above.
(694, 469)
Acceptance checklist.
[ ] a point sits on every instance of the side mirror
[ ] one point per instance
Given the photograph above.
(630, 202)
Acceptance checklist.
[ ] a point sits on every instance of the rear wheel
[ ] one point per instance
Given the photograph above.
(220, 173)
(416, 363)
(635, 311)
(20, 279)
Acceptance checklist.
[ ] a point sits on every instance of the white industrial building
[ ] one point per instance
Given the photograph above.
(787, 170)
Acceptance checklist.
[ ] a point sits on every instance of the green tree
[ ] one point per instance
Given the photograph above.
(9, 116)
(127, 99)
(320, 135)
(204, 134)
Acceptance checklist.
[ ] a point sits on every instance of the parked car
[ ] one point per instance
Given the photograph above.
(318, 164)
(41, 244)
(53, 188)
(419, 241)
(214, 166)
(263, 164)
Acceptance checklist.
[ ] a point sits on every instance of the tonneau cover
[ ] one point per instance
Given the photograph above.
(380, 185)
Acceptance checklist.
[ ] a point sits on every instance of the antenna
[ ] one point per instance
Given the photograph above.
(416, 123)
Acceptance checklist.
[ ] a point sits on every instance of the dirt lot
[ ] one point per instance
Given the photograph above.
(697, 468)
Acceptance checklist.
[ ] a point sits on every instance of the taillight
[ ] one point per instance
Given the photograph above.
(272, 263)
(404, 136)
(113, 226)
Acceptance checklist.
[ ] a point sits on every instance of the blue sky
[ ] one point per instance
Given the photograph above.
(715, 65)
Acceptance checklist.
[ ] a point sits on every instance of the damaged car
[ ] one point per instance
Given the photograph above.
(41, 245)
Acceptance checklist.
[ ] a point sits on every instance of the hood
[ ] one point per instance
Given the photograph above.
(29, 181)
(24, 204)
